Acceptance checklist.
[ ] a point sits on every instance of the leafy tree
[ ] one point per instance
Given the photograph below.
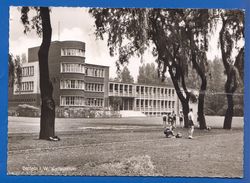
(40, 22)
(194, 28)
(148, 74)
(173, 34)
(231, 34)
(215, 98)
(23, 58)
(124, 76)
(15, 71)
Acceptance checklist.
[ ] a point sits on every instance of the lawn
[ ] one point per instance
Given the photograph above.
(136, 151)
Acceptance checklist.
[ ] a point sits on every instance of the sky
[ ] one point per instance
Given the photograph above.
(77, 24)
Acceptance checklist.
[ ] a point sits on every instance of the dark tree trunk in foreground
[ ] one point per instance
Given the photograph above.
(201, 98)
(201, 101)
(184, 100)
(229, 113)
(231, 72)
(230, 88)
(164, 54)
(200, 68)
(47, 120)
(185, 108)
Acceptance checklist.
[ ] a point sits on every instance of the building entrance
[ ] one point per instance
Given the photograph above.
(127, 104)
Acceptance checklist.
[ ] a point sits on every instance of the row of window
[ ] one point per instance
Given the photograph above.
(94, 72)
(80, 101)
(94, 87)
(28, 71)
(72, 84)
(142, 90)
(114, 87)
(79, 68)
(72, 52)
(72, 101)
(154, 103)
(79, 84)
(72, 68)
(26, 86)
(97, 102)
(153, 91)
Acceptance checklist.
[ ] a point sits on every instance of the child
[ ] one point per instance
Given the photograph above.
(170, 119)
(164, 118)
(169, 131)
(191, 123)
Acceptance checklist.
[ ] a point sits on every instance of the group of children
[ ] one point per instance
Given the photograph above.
(169, 124)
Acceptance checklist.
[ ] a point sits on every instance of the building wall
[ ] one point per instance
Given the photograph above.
(149, 99)
(23, 94)
(61, 55)
(68, 69)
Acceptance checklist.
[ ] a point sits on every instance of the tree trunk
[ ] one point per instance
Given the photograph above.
(232, 76)
(201, 101)
(184, 100)
(200, 69)
(229, 113)
(185, 108)
(47, 120)
(230, 87)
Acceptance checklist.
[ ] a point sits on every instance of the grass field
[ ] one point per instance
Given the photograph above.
(125, 147)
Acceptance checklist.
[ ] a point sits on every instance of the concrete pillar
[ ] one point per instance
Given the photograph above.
(164, 105)
(139, 104)
(113, 88)
(144, 106)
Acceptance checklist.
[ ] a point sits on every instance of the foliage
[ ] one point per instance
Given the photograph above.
(124, 76)
(33, 23)
(177, 38)
(148, 74)
(215, 98)
(15, 71)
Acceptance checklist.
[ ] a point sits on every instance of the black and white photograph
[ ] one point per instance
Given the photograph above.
(154, 92)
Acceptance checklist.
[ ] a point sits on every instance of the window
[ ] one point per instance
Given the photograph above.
(172, 92)
(26, 86)
(95, 87)
(72, 68)
(96, 102)
(72, 52)
(173, 104)
(28, 71)
(72, 101)
(137, 89)
(94, 72)
(72, 84)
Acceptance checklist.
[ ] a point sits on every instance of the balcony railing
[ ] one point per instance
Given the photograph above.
(121, 94)
(153, 109)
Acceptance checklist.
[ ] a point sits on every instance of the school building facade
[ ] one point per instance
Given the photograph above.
(78, 84)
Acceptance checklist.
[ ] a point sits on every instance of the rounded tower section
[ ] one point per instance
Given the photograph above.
(72, 74)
